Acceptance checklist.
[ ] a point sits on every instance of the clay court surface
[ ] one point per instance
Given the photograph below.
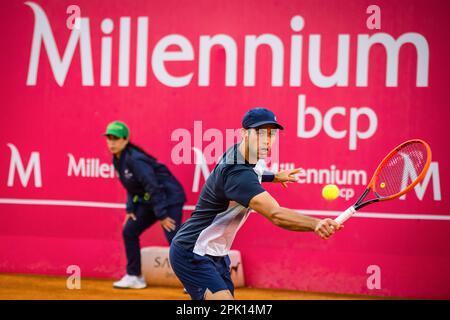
(31, 287)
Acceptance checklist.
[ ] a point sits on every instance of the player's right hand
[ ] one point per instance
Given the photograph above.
(326, 228)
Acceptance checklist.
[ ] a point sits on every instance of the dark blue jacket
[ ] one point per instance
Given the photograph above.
(147, 181)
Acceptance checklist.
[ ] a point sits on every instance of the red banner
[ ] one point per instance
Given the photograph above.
(348, 80)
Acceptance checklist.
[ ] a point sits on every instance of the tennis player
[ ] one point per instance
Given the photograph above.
(199, 251)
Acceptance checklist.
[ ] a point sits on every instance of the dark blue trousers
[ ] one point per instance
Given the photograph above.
(132, 230)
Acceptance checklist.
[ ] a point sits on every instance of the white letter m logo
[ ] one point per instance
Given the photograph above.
(409, 174)
(24, 175)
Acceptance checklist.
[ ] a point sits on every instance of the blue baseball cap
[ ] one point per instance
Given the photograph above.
(258, 117)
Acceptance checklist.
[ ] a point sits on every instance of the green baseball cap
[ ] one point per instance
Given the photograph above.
(117, 129)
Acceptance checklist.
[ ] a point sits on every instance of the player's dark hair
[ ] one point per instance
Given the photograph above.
(138, 148)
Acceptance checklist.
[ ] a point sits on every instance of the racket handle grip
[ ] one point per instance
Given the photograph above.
(345, 215)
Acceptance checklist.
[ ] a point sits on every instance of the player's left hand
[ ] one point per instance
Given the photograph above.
(286, 176)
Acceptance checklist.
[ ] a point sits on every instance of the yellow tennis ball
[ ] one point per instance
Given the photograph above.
(330, 192)
(382, 185)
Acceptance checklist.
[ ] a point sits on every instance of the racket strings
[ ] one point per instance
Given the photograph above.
(402, 169)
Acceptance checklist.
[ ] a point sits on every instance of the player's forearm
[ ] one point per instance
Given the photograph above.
(291, 220)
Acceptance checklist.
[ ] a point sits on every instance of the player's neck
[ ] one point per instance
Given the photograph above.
(246, 154)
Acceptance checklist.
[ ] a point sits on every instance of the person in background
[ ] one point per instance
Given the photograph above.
(153, 194)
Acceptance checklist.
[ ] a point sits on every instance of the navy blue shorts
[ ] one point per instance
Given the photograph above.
(198, 273)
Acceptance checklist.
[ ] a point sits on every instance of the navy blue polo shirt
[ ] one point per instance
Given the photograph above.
(222, 207)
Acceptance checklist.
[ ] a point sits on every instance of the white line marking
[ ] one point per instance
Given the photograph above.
(67, 203)
(377, 215)
(93, 204)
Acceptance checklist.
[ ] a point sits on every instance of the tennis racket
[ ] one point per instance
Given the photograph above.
(399, 172)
